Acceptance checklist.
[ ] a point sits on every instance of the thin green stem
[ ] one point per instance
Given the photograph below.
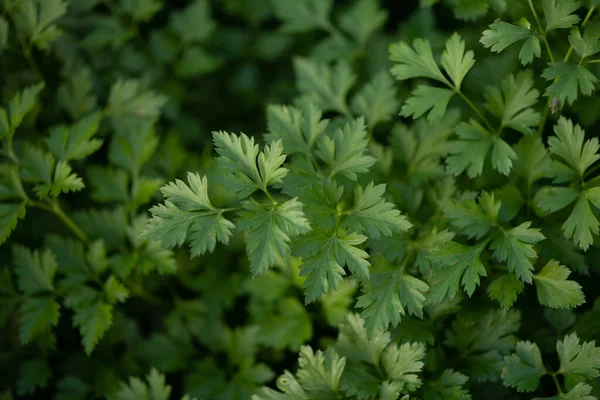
(476, 109)
(593, 61)
(553, 375)
(591, 183)
(542, 30)
(266, 191)
(58, 211)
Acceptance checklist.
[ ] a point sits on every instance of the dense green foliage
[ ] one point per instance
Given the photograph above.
(299, 199)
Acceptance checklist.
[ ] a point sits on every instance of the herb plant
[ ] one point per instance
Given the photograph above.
(299, 199)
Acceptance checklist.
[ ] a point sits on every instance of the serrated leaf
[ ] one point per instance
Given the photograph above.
(188, 214)
(345, 153)
(371, 213)
(588, 44)
(35, 271)
(505, 290)
(427, 98)
(298, 128)
(569, 79)
(269, 229)
(502, 34)
(377, 99)
(289, 328)
(141, 10)
(560, 13)
(64, 181)
(456, 61)
(93, 320)
(578, 362)
(10, 214)
(323, 258)
(76, 142)
(515, 247)
(34, 375)
(130, 99)
(362, 19)
(38, 314)
(193, 23)
(524, 369)
(303, 15)
(326, 86)
(455, 265)
(18, 107)
(319, 373)
(449, 386)
(390, 296)
(513, 105)
(415, 62)
(403, 363)
(156, 388)
(469, 152)
(555, 290)
(474, 219)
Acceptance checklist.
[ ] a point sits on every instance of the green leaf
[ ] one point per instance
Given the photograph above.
(582, 224)
(115, 291)
(560, 13)
(403, 363)
(319, 373)
(10, 214)
(108, 184)
(345, 152)
(376, 100)
(34, 375)
(303, 15)
(513, 105)
(371, 213)
(524, 369)
(141, 10)
(64, 181)
(290, 328)
(483, 339)
(470, 151)
(589, 44)
(456, 61)
(323, 258)
(578, 362)
(570, 78)
(130, 99)
(325, 86)
(75, 143)
(553, 288)
(474, 219)
(355, 344)
(35, 271)
(38, 314)
(455, 265)
(515, 247)
(388, 295)
(247, 169)
(76, 95)
(415, 62)
(449, 386)
(193, 23)
(427, 98)
(18, 107)
(362, 19)
(188, 213)
(573, 154)
(269, 229)
(93, 320)
(502, 34)
(36, 21)
(297, 128)
(156, 388)
(532, 159)
(505, 290)
(581, 391)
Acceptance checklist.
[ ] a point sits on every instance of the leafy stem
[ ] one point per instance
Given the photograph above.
(542, 30)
